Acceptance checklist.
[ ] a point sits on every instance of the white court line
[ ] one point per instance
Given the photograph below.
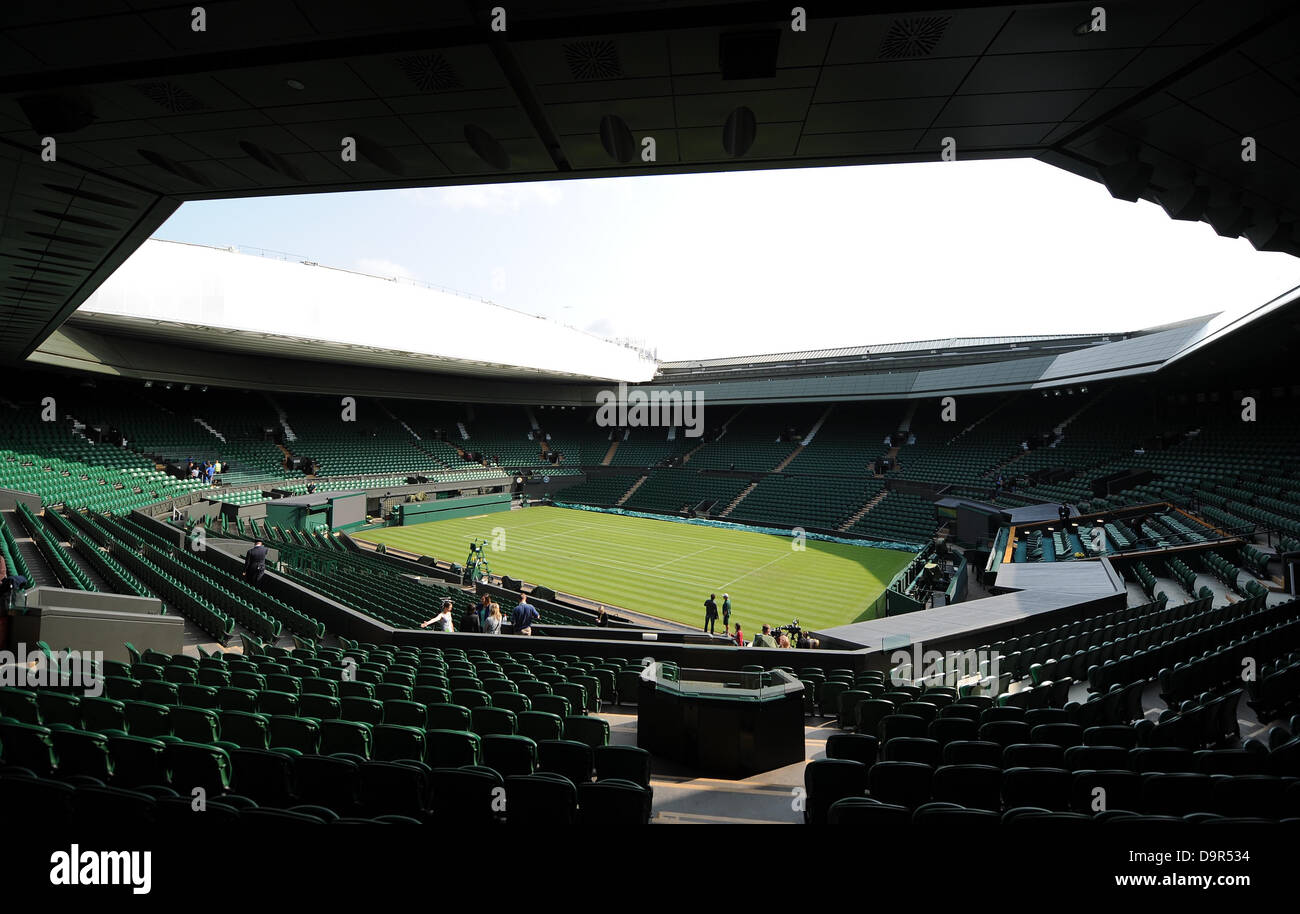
(680, 557)
(759, 568)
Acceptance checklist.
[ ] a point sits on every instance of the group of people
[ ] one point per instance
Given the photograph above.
(208, 469)
(485, 618)
(763, 639)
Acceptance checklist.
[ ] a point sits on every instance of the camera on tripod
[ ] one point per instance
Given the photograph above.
(793, 630)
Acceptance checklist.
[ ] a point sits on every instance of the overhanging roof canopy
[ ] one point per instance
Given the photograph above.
(147, 113)
(219, 299)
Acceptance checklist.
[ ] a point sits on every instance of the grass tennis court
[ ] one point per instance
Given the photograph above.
(665, 568)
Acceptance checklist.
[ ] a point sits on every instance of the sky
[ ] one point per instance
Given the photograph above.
(738, 263)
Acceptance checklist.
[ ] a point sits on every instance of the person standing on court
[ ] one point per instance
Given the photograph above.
(710, 614)
(726, 613)
(255, 564)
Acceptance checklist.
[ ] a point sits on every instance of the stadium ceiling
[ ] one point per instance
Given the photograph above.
(1189, 103)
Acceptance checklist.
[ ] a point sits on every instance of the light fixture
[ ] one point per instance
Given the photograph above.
(295, 84)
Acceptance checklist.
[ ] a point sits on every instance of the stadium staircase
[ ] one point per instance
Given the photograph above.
(739, 498)
(632, 491)
(989, 414)
(788, 457)
(39, 573)
(686, 458)
(906, 424)
(812, 432)
(609, 454)
(284, 419)
(390, 414)
(861, 512)
(220, 437)
(722, 433)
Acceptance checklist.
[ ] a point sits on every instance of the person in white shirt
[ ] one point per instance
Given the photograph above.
(442, 621)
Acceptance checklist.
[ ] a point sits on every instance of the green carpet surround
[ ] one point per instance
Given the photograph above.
(666, 569)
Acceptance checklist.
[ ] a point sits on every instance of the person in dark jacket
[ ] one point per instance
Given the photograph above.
(255, 564)
(470, 622)
(710, 614)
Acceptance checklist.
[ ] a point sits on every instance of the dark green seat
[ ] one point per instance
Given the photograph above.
(138, 761)
(485, 721)
(59, 708)
(445, 716)
(431, 695)
(142, 671)
(28, 746)
(195, 725)
(613, 802)
(144, 718)
(263, 775)
(212, 676)
(198, 696)
(567, 757)
(471, 698)
(20, 704)
(534, 687)
(509, 755)
(243, 679)
(406, 713)
(511, 701)
(350, 736)
(829, 700)
(385, 691)
(320, 686)
(102, 714)
(466, 795)
(552, 704)
(398, 742)
(365, 710)
(593, 688)
(281, 682)
(576, 693)
(628, 683)
(629, 763)
(180, 675)
(198, 765)
(541, 799)
(232, 698)
(159, 659)
(353, 688)
(272, 702)
(246, 729)
(159, 692)
(83, 752)
(594, 731)
(541, 725)
(452, 748)
(321, 707)
(121, 687)
(299, 733)
(847, 707)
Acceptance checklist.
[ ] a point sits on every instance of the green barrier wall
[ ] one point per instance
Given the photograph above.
(422, 512)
